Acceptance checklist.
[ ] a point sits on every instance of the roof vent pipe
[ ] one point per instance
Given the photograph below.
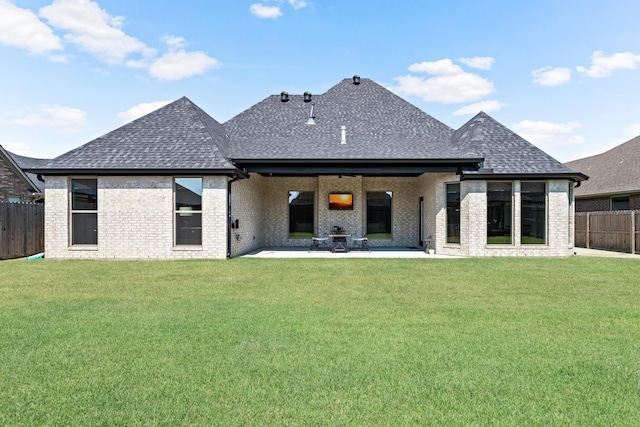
(356, 79)
(307, 97)
(284, 96)
(311, 120)
(343, 140)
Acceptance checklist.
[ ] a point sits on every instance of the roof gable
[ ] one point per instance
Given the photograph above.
(505, 151)
(177, 137)
(18, 163)
(614, 171)
(378, 125)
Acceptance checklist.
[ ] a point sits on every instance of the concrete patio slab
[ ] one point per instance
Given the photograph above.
(294, 252)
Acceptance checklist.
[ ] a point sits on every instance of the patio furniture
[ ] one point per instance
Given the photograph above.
(361, 243)
(319, 241)
(339, 242)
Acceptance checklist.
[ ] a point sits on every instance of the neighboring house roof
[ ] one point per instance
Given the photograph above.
(613, 172)
(19, 163)
(383, 134)
(177, 138)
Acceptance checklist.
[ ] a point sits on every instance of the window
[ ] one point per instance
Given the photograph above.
(379, 214)
(620, 203)
(499, 195)
(534, 213)
(84, 211)
(188, 214)
(453, 213)
(301, 209)
(15, 199)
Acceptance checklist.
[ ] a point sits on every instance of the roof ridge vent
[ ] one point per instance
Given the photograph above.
(312, 117)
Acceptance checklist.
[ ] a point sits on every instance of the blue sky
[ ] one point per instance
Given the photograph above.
(564, 74)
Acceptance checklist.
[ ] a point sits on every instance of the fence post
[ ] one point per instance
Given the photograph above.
(633, 231)
(587, 231)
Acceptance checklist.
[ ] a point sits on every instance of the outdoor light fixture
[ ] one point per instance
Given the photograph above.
(307, 97)
(284, 96)
(356, 79)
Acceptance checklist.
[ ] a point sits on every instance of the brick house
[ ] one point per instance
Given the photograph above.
(178, 184)
(16, 185)
(614, 182)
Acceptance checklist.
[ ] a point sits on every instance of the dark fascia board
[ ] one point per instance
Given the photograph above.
(149, 172)
(573, 176)
(465, 161)
(368, 167)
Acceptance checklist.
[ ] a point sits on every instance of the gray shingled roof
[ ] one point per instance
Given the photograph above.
(503, 150)
(177, 137)
(612, 172)
(379, 125)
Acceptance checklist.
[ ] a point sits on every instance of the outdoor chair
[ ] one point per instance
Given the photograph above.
(319, 241)
(361, 242)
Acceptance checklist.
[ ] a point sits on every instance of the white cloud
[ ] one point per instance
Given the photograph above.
(450, 84)
(92, 29)
(140, 110)
(22, 28)
(604, 66)
(262, 11)
(440, 67)
(479, 62)
(65, 119)
(548, 76)
(179, 65)
(548, 134)
(18, 148)
(297, 4)
(485, 106)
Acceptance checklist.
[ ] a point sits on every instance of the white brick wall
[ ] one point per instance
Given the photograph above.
(136, 214)
(474, 216)
(135, 219)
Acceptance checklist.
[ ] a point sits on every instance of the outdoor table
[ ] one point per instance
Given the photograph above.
(339, 242)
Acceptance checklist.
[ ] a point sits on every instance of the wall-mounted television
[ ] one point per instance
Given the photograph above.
(340, 201)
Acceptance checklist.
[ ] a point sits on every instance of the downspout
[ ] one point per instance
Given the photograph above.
(236, 177)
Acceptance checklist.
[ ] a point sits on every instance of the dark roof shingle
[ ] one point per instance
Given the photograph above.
(178, 136)
(614, 171)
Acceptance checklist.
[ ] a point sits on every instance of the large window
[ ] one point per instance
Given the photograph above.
(453, 213)
(499, 213)
(534, 213)
(620, 203)
(301, 208)
(84, 211)
(379, 214)
(188, 211)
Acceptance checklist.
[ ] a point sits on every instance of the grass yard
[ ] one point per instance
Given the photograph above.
(321, 342)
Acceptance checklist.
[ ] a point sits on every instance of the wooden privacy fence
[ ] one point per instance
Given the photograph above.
(611, 231)
(21, 229)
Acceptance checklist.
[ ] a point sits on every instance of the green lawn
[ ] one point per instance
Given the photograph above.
(321, 342)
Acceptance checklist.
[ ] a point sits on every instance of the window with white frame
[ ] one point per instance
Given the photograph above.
(188, 211)
(84, 211)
